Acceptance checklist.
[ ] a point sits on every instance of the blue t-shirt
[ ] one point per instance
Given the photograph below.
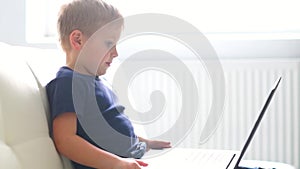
(100, 119)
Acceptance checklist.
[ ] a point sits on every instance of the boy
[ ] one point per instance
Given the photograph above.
(88, 57)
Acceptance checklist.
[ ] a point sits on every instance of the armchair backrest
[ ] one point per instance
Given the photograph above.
(24, 133)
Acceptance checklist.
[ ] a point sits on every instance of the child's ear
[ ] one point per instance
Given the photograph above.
(76, 39)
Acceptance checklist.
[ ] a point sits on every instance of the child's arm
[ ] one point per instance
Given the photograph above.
(155, 144)
(77, 149)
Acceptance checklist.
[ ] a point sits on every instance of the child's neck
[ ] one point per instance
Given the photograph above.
(71, 58)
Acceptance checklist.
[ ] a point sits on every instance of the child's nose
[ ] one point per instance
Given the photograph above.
(114, 52)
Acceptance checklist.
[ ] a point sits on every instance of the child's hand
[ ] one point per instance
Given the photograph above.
(126, 163)
(155, 144)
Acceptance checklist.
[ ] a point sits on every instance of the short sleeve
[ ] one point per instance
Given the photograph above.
(60, 96)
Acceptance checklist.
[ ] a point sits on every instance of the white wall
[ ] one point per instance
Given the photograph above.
(12, 21)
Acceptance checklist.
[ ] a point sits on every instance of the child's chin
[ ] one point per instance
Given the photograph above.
(101, 73)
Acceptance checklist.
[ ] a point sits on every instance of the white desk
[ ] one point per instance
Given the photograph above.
(181, 158)
(265, 164)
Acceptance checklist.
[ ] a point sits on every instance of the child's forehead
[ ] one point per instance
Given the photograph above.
(113, 33)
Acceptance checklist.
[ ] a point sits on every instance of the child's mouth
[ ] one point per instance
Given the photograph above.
(108, 63)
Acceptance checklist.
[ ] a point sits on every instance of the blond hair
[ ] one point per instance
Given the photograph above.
(85, 15)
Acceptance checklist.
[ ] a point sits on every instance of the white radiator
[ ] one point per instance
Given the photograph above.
(248, 83)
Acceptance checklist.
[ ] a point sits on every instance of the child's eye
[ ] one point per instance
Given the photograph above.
(109, 44)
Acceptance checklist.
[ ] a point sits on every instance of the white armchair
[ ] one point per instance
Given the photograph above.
(24, 133)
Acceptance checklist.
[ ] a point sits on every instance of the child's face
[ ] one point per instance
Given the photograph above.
(100, 51)
(108, 58)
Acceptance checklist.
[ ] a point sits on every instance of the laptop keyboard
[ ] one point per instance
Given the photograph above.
(217, 159)
(207, 156)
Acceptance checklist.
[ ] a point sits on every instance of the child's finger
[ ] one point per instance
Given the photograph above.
(141, 163)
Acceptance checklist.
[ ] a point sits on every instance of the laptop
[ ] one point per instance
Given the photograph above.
(181, 158)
